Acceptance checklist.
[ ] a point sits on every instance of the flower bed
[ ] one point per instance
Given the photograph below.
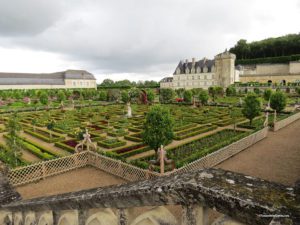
(193, 132)
(42, 135)
(111, 143)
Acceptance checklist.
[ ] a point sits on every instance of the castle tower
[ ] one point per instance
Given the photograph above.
(225, 69)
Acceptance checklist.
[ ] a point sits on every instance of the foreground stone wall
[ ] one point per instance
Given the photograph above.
(246, 199)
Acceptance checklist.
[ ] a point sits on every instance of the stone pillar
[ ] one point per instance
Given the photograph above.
(122, 216)
(194, 215)
(82, 216)
(55, 215)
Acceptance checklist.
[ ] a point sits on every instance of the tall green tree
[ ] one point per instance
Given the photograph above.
(187, 96)
(203, 97)
(125, 96)
(166, 95)
(150, 95)
(267, 94)
(61, 96)
(13, 141)
(278, 101)
(158, 127)
(44, 99)
(251, 107)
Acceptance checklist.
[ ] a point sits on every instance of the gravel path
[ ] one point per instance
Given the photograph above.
(275, 158)
(75, 180)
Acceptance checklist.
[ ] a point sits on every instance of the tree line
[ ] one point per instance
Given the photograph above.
(108, 83)
(271, 47)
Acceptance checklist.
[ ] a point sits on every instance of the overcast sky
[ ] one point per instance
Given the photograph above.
(132, 39)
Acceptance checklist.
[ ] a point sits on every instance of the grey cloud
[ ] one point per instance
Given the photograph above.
(28, 17)
(133, 36)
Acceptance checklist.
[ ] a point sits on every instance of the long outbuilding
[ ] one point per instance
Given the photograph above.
(60, 80)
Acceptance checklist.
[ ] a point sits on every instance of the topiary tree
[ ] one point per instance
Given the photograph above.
(124, 96)
(150, 95)
(251, 107)
(230, 91)
(267, 94)
(61, 97)
(13, 141)
(103, 96)
(44, 99)
(166, 95)
(187, 96)
(203, 97)
(158, 127)
(278, 101)
(297, 90)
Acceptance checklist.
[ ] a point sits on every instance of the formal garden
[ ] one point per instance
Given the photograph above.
(131, 124)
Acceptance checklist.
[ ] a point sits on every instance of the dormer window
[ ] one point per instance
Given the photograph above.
(193, 70)
(205, 69)
(198, 70)
(187, 71)
(177, 71)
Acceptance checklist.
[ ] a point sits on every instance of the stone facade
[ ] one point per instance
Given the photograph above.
(61, 80)
(203, 73)
(270, 73)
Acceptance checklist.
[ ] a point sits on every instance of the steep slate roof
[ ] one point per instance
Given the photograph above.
(201, 63)
(166, 79)
(43, 78)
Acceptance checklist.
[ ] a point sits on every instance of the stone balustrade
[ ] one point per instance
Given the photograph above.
(188, 198)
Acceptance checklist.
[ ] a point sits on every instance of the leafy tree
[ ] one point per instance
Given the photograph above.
(278, 101)
(166, 95)
(297, 90)
(150, 95)
(107, 83)
(50, 127)
(251, 107)
(103, 96)
(267, 94)
(14, 143)
(234, 114)
(61, 97)
(187, 96)
(203, 97)
(256, 91)
(134, 94)
(158, 127)
(124, 96)
(44, 98)
(113, 94)
(230, 91)
(180, 92)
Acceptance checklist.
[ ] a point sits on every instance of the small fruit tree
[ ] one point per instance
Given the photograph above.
(158, 127)
(251, 107)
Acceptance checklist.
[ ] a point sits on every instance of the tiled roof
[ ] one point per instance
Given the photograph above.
(201, 64)
(43, 78)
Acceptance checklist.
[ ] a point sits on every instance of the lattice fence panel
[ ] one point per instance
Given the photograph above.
(45, 169)
(224, 153)
(120, 169)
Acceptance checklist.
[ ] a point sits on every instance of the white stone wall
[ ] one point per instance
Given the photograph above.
(295, 67)
(272, 68)
(196, 80)
(68, 84)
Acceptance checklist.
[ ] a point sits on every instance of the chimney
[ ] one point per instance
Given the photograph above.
(186, 61)
(193, 60)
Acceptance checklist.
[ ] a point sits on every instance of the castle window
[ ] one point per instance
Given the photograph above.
(74, 83)
(198, 77)
(205, 77)
(192, 77)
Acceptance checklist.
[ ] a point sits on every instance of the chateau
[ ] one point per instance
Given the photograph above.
(221, 71)
(66, 79)
(203, 73)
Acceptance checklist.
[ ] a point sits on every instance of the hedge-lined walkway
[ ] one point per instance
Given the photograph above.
(275, 158)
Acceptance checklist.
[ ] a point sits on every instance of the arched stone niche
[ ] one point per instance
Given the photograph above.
(158, 215)
(103, 217)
